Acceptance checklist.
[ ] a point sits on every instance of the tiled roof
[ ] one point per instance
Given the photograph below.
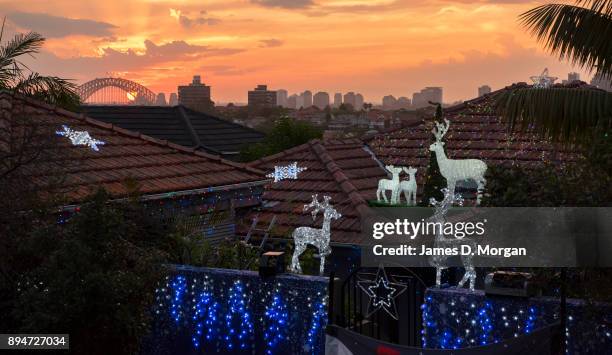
(157, 165)
(475, 133)
(342, 169)
(179, 125)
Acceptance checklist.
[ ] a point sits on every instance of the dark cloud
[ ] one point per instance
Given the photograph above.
(56, 26)
(287, 4)
(199, 20)
(112, 60)
(272, 42)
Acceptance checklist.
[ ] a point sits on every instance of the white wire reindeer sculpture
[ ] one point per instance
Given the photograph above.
(392, 184)
(441, 241)
(455, 170)
(319, 238)
(409, 187)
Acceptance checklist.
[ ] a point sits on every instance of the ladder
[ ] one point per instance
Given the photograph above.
(266, 232)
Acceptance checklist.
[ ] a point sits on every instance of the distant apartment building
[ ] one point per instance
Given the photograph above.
(261, 97)
(173, 101)
(358, 102)
(337, 100)
(281, 97)
(299, 102)
(195, 96)
(292, 101)
(349, 99)
(571, 77)
(602, 82)
(307, 98)
(389, 102)
(311, 114)
(321, 100)
(483, 90)
(430, 93)
(403, 102)
(161, 99)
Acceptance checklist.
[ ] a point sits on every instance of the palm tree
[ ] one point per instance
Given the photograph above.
(18, 78)
(580, 33)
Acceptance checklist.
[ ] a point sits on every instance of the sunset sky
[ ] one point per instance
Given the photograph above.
(376, 47)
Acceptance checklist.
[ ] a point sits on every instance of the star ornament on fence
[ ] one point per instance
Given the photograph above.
(290, 171)
(543, 81)
(80, 138)
(382, 293)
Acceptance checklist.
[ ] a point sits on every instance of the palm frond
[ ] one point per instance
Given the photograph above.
(560, 114)
(601, 6)
(580, 35)
(51, 89)
(11, 69)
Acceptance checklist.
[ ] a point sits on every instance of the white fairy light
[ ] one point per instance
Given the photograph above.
(439, 261)
(319, 238)
(543, 81)
(290, 171)
(382, 293)
(409, 187)
(80, 138)
(392, 185)
(455, 170)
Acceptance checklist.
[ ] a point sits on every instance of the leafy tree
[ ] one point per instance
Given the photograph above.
(434, 181)
(286, 133)
(16, 77)
(94, 277)
(584, 183)
(580, 34)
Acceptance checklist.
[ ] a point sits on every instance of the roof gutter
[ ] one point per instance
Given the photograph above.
(166, 195)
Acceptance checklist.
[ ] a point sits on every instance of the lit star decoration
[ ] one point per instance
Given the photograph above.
(543, 81)
(290, 171)
(382, 293)
(80, 138)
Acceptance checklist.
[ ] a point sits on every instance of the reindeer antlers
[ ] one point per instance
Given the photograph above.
(440, 130)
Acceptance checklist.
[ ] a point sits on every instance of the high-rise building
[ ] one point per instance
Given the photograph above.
(321, 100)
(573, 76)
(173, 101)
(281, 97)
(161, 99)
(337, 99)
(195, 96)
(299, 101)
(602, 82)
(358, 101)
(349, 99)
(483, 90)
(389, 102)
(261, 97)
(292, 101)
(307, 98)
(403, 102)
(426, 95)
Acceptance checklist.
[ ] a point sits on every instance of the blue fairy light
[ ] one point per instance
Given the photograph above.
(237, 311)
(276, 318)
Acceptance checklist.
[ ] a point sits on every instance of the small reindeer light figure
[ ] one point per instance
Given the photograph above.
(390, 184)
(409, 187)
(455, 170)
(319, 238)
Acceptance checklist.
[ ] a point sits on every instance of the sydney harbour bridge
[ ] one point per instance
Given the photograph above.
(117, 91)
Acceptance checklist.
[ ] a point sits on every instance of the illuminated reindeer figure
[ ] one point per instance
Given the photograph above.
(319, 238)
(455, 170)
(392, 184)
(441, 241)
(409, 187)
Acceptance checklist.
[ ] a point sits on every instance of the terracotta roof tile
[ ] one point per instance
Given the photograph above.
(338, 168)
(159, 166)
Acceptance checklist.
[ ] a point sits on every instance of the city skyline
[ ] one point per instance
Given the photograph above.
(452, 44)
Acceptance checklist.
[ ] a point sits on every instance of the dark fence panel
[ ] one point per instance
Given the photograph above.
(218, 311)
